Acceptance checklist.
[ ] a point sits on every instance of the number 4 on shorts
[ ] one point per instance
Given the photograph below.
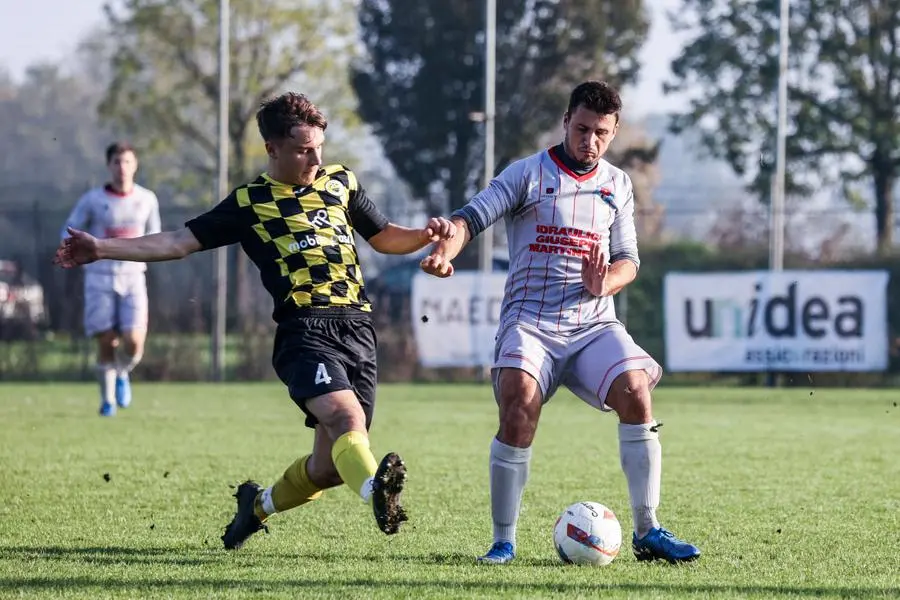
(322, 375)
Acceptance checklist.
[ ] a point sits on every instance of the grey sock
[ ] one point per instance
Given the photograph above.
(509, 473)
(106, 374)
(641, 456)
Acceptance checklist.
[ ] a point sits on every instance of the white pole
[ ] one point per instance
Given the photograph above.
(221, 259)
(776, 209)
(490, 61)
(486, 249)
(776, 235)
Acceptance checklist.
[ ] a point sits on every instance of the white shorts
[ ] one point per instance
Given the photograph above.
(586, 362)
(114, 302)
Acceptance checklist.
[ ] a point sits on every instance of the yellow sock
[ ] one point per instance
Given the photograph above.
(292, 490)
(354, 461)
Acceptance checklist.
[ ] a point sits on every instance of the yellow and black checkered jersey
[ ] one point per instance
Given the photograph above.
(300, 238)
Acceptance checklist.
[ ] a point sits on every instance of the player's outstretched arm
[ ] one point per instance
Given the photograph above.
(438, 263)
(396, 239)
(81, 248)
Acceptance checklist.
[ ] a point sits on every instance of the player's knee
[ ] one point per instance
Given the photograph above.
(133, 345)
(341, 421)
(518, 425)
(520, 408)
(106, 346)
(338, 413)
(630, 397)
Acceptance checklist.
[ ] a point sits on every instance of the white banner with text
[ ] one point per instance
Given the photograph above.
(776, 321)
(455, 319)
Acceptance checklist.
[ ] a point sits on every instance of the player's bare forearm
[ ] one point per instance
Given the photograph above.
(168, 245)
(396, 239)
(621, 273)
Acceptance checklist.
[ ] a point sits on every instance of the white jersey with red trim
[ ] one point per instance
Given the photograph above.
(105, 213)
(553, 216)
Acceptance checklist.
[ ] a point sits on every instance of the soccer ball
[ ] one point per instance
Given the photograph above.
(587, 533)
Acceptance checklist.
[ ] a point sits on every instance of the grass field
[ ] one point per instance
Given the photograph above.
(789, 493)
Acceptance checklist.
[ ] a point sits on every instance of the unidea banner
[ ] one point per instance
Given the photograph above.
(776, 321)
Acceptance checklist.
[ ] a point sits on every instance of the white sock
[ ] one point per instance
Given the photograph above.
(509, 468)
(125, 363)
(106, 374)
(366, 490)
(641, 456)
(268, 505)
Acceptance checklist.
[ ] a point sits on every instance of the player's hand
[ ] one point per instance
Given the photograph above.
(78, 249)
(594, 269)
(437, 265)
(439, 228)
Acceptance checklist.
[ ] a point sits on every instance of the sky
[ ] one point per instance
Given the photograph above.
(63, 23)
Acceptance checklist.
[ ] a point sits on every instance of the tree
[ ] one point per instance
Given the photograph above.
(164, 74)
(844, 92)
(424, 75)
(164, 81)
(635, 153)
(48, 124)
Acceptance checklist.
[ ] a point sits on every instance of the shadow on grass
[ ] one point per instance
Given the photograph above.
(209, 556)
(109, 555)
(215, 554)
(290, 586)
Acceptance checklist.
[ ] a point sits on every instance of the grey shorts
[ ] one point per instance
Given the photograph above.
(114, 302)
(586, 361)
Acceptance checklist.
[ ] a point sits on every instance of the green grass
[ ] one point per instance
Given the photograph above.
(788, 493)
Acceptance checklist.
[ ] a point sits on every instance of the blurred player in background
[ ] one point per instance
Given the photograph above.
(296, 222)
(570, 226)
(115, 291)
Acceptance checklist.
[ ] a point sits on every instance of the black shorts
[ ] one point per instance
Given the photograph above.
(317, 355)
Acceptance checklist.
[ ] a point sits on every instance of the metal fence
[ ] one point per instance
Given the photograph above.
(182, 297)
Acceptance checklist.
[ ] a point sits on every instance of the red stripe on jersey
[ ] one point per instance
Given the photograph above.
(562, 303)
(570, 172)
(543, 291)
(593, 216)
(547, 265)
(540, 180)
(527, 275)
(556, 196)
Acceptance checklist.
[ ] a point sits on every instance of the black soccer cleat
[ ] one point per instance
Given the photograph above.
(245, 522)
(386, 488)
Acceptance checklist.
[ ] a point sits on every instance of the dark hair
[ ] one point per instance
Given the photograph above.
(597, 96)
(117, 148)
(277, 116)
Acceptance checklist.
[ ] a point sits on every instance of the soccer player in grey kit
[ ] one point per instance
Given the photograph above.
(115, 291)
(570, 223)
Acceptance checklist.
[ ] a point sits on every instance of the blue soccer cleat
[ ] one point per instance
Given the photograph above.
(107, 410)
(499, 554)
(662, 544)
(123, 390)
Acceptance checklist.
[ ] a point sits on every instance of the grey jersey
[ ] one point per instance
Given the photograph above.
(104, 213)
(553, 216)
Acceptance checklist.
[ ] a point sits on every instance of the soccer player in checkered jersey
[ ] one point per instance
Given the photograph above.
(570, 223)
(296, 222)
(115, 291)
